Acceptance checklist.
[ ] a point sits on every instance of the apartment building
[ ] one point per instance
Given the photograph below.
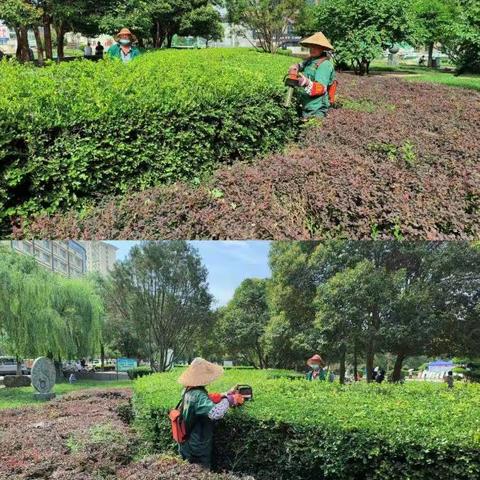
(101, 256)
(66, 257)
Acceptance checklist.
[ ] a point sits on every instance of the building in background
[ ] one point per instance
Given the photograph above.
(66, 257)
(101, 256)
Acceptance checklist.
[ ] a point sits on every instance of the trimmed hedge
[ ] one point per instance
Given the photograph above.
(389, 164)
(304, 431)
(72, 131)
(138, 372)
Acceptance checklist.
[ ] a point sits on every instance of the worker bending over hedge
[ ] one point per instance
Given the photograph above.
(315, 77)
(192, 420)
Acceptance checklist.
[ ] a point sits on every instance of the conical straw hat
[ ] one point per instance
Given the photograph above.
(200, 373)
(315, 359)
(318, 39)
(126, 31)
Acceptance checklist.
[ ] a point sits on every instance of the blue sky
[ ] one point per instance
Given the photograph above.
(228, 263)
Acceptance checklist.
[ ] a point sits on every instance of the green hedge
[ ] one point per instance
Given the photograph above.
(305, 430)
(138, 372)
(73, 131)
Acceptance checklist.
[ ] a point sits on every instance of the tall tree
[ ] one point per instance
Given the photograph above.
(269, 20)
(431, 21)
(361, 29)
(290, 333)
(162, 289)
(42, 313)
(243, 322)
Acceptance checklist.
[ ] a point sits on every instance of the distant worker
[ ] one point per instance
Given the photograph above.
(87, 52)
(124, 48)
(448, 379)
(316, 364)
(315, 77)
(99, 48)
(1, 55)
(380, 376)
(199, 410)
(422, 60)
(331, 377)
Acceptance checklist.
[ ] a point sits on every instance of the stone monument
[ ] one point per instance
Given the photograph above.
(43, 378)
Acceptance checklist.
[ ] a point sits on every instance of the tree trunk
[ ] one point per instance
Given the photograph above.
(60, 29)
(102, 357)
(355, 363)
(39, 42)
(342, 365)
(170, 39)
(19, 366)
(397, 368)
(370, 359)
(59, 377)
(158, 36)
(47, 35)
(22, 53)
(430, 55)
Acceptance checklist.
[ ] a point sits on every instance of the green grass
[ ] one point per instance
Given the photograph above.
(20, 397)
(416, 73)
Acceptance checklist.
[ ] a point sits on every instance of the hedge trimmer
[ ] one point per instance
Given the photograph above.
(291, 81)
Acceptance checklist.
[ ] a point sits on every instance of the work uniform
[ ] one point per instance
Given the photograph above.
(314, 98)
(198, 413)
(316, 375)
(115, 51)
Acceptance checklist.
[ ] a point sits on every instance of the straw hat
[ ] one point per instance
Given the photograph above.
(200, 373)
(317, 39)
(126, 31)
(315, 359)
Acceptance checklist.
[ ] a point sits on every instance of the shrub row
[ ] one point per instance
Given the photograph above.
(73, 131)
(389, 163)
(138, 372)
(304, 430)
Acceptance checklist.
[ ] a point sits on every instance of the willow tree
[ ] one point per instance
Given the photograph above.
(42, 313)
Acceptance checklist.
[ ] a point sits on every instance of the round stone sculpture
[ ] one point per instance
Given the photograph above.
(43, 378)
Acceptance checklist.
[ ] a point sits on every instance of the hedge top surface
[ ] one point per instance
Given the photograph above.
(416, 412)
(61, 94)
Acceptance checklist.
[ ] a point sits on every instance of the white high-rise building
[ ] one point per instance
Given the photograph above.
(62, 256)
(101, 256)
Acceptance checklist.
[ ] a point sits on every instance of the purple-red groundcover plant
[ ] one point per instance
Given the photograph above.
(396, 160)
(84, 436)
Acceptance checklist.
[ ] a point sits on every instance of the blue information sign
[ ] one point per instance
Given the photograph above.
(124, 364)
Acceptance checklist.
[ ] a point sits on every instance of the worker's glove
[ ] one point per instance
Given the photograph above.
(294, 69)
(304, 81)
(215, 397)
(235, 399)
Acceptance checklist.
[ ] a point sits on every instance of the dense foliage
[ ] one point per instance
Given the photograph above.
(138, 372)
(360, 29)
(161, 291)
(356, 303)
(74, 131)
(398, 160)
(299, 430)
(43, 313)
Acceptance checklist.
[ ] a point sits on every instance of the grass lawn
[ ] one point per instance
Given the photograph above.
(19, 397)
(415, 73)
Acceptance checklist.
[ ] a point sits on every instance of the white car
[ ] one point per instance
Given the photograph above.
(8, 366)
